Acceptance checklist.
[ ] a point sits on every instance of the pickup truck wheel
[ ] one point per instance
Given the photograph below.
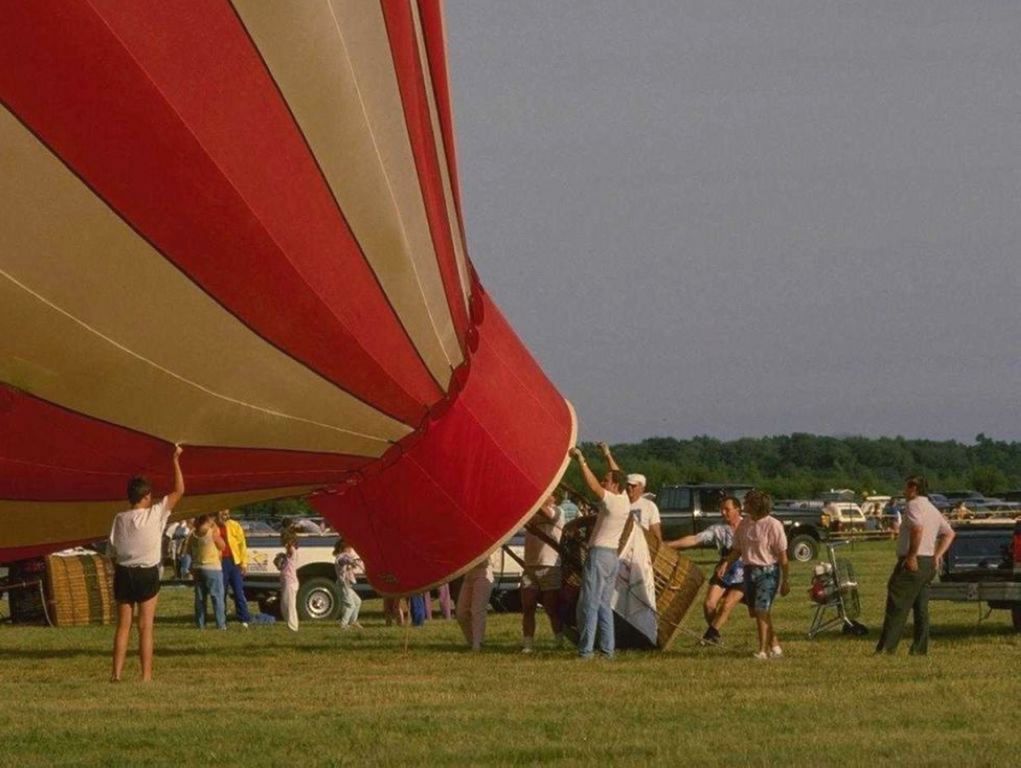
(1015, 614)
(803, 548)
(318, 599)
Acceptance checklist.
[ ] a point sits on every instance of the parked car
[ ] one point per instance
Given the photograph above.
(844, 516)
(955, 496)
(983, 564)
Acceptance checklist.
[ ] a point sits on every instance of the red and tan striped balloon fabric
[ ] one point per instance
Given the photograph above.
(237, 225)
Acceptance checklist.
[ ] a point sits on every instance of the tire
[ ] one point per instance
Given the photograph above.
(1015, 615)
(803, 548)
(318, 600)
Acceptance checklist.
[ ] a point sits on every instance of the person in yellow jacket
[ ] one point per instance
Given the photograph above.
(234, 560)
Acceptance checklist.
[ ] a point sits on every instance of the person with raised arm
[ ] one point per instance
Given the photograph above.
(643, 509)
(595, 614)
(135, 549)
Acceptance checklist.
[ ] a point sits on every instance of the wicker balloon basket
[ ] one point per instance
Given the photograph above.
(79, 590)
(677, 582)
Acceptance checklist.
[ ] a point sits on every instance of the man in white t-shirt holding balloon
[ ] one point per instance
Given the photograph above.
(599, 576)
(643, 509)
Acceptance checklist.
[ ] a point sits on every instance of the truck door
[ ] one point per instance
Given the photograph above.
(675, 509)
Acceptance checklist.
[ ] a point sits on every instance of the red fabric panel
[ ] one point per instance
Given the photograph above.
(48, 453)
(400, 27)
(467, 482)
(431, 14)
(170, 115)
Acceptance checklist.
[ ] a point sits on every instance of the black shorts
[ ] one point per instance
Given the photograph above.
(715, 581)
(132, 584)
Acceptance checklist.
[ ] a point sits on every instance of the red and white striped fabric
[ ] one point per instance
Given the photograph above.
(237, 225)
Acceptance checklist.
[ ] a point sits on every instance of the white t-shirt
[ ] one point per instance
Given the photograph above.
(136, 537)
(614, 510)
(920, 513)
(537, 552)
(646, 512)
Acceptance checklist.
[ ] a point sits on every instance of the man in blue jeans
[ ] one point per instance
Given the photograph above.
(234, 560)
(595, 614)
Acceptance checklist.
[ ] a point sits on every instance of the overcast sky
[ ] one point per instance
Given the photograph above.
(751, 218)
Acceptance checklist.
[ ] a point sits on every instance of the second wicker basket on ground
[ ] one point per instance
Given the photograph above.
(677, 581)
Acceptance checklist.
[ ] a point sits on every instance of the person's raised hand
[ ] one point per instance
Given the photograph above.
(603, 448)
(178, 450)
(575, 453)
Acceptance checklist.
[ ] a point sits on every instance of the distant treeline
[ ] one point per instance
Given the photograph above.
(793, 466)
(803, 466)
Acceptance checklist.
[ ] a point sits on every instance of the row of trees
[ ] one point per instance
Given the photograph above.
(795, 466)
(803, 466)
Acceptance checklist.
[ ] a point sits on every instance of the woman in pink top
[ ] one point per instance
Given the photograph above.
(761, 544)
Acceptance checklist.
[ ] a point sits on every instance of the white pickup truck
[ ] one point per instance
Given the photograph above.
(318, 595)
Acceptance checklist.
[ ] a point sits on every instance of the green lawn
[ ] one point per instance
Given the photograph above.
(393, 696)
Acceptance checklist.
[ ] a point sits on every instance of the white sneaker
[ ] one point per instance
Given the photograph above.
(775, 652)
(526, 645)
(760, 656)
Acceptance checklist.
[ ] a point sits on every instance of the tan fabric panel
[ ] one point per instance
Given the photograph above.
(28, 523)
(441, 153)
(332, 63)
(92, 315)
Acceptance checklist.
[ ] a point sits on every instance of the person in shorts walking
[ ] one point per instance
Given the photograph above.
(136, 539)
(760, 542)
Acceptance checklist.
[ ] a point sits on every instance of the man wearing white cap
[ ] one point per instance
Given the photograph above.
(643, 509)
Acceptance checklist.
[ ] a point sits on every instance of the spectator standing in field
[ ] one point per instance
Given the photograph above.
(727, 591)
(182, 555)
(761, 543)
(394, 610)
(541, 576)
(644, 510)
(599, 575)
(287, 563)
(473, 601)
(924, 538)
(234, 560)
(205, 546)
(347, 564)
(136, 548)
(446, 607)
(568, 509)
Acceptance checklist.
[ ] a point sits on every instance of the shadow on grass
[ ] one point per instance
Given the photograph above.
(74, 653)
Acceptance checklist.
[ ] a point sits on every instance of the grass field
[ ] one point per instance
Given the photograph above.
(390, 696)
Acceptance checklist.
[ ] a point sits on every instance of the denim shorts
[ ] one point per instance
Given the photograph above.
(761, 583)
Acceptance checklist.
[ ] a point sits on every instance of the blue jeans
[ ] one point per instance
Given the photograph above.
(594, 611)
(209, 583)
(350, 603)
(235, 580)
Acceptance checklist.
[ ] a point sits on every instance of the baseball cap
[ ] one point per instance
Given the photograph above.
(636, 479)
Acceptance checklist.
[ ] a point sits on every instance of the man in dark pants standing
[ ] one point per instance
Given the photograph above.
(923, 540)
(234, 560)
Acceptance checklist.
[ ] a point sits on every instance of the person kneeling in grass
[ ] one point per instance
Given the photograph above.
(136, 550)
(760, 542)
